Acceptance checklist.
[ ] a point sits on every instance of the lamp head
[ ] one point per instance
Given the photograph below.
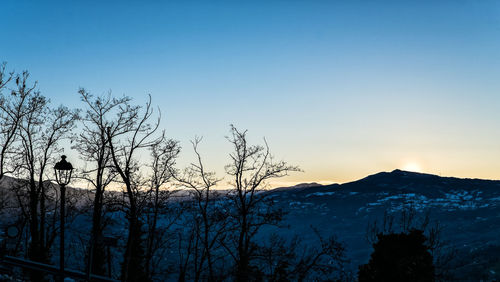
(63, 170)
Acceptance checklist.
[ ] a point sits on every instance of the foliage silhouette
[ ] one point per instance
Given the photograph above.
(145, 211)
(399, 257)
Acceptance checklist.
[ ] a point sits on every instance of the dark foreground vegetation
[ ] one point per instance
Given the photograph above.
(144, 218)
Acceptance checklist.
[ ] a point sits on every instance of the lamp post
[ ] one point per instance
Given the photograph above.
(63, 170)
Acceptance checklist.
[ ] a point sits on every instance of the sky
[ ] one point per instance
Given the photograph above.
(343, 89)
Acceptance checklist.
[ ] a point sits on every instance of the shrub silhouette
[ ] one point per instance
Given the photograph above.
(399, 257)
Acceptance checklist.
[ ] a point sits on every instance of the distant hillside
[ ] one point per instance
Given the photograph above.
(468, 209)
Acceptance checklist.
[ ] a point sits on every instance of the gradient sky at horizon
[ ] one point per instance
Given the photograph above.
(341, 88)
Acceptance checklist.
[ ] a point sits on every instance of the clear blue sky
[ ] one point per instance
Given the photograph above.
(341, 88)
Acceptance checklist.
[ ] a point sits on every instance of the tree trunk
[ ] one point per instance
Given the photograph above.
(133, 263)
(97, 255)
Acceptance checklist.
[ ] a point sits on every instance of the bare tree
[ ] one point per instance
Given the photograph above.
(127, 134)
(325, 262)
(187, 246)
(92, 145)
(13, 107)
(250, 168)
(291, 260)
(208, 221)
(5, 77)
(40, 130)
(164, 155)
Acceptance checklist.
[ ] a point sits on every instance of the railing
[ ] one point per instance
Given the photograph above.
(51, 269)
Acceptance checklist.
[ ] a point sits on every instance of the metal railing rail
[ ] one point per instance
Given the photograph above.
(51, 269)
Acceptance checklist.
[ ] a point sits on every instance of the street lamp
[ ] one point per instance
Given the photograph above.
(63, 170)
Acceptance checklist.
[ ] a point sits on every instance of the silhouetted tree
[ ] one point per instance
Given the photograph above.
(208, 222)
(219, 235)
(92, 145)
(291, 260)
(127, 134)
(13, 107)
(164, 155)
(250, 167)
(40, 130)
(399, 257)
(409, 219)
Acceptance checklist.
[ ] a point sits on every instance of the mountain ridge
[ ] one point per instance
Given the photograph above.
(396, 177)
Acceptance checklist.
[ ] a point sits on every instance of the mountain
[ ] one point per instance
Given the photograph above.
(467, 209)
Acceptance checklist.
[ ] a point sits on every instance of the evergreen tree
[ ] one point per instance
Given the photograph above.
(399, 257)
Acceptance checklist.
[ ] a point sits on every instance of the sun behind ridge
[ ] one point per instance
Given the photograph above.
(412, 166)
